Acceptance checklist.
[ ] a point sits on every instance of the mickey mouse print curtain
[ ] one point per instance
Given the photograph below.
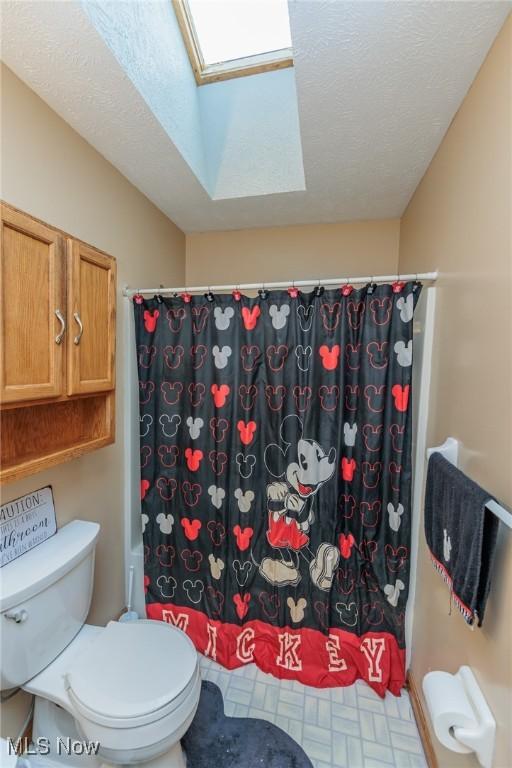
(275, 437)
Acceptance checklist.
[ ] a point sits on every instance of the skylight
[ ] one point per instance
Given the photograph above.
(231, 38)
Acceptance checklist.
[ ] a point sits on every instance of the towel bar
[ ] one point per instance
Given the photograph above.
(450, 450)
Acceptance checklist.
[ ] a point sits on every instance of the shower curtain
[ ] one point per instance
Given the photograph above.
(275, 445)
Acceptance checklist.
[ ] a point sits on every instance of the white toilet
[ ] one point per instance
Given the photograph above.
(133, 687)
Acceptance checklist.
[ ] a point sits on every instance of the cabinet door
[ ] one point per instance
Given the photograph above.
(32, 321)
(92, 320)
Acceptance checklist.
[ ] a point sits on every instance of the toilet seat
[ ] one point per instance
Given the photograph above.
(132, 674)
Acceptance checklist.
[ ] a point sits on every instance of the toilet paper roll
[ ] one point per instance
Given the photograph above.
(449, 707)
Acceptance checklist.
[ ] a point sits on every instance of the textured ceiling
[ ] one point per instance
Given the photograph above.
(211, 126)
(377, 86)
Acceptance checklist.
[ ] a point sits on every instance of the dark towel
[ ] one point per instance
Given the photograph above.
(461, 535)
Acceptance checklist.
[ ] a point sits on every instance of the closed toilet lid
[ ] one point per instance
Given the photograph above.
(132, 669)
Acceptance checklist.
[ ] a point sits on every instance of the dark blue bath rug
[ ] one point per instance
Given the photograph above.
(216, 741)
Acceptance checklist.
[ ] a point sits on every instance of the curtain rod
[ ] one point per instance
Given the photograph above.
(422, 276)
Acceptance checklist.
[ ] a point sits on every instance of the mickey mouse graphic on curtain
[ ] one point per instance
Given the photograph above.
(301, 467)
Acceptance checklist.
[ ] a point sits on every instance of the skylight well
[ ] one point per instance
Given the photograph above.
(234, 38)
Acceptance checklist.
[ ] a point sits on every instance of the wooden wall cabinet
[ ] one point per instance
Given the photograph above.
(32, 310)
(92, 314)
(57, 346)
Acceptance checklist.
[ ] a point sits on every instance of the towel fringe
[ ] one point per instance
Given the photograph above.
(467, 613)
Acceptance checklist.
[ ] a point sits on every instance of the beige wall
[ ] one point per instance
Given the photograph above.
(459, 221)
(49, 171)
(297, 252)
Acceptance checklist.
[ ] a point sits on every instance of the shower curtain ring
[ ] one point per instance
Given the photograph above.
(347, 289)
(398, 284)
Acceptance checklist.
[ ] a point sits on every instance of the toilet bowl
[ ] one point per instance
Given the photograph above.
(133, 687)
(125, 693)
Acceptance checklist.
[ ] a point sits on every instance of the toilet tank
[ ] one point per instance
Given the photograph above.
(45, 597)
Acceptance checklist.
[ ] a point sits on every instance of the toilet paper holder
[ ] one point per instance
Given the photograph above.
(460, 715)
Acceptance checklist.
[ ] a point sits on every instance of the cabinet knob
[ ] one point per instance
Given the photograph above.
(60, 317)
(80, 328)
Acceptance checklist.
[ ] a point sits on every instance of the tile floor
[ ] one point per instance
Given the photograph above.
(337, 727)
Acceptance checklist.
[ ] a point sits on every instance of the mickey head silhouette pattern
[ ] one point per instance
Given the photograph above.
(242, 604)
(220, 394)
(221, 355)
(223, 317)
(279, 315)
(216, 382)
(217, 495)
(194, 427)
(216, 566)
(244, 499)
(297, 609)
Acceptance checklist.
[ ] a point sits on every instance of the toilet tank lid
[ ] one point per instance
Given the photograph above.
(35, 570)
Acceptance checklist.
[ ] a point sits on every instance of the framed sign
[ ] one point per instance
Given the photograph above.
(25, 523)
